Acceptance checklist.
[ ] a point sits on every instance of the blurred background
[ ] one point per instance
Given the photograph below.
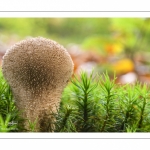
(115, 45)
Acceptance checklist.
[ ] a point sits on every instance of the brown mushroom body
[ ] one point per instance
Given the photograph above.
(37, 70)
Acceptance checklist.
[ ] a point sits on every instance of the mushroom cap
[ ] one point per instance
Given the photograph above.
(37, 64)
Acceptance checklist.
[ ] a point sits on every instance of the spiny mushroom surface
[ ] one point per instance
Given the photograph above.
(37, 70)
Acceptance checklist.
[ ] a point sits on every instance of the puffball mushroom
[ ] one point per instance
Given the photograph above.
(37, 70)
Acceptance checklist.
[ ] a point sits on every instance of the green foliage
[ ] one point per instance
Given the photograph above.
(124, 36)
(32, 125)
(9, 115)
(64, 120)
(89, 104)
(100, 105)
(63, 30)
(84, 102)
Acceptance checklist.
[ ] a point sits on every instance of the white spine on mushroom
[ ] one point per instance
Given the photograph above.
(37, 70)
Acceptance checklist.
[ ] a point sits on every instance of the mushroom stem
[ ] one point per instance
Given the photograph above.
(37, 70)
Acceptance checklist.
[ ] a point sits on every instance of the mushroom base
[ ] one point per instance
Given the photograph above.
(39, 110)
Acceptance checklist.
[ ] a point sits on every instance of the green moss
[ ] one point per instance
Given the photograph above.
(89, 104)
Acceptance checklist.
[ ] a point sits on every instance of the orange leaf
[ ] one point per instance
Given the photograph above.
(123, 66)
